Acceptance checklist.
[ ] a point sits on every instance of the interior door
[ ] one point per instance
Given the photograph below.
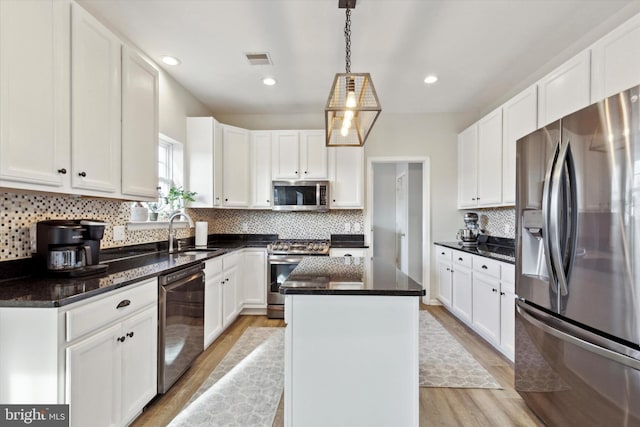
(402, 220)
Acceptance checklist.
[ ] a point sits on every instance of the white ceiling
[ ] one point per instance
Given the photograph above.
(481, 50)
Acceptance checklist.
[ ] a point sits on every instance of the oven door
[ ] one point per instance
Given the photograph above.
(280, 266)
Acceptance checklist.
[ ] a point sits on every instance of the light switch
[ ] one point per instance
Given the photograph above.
(118, 232)
(245, 227)
(356, 227)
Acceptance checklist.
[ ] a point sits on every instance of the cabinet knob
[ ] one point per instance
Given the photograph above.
(121, 339)
(441, 253)
(222, 283)
(305, 172)
(295, 172)
(334, 200)
(448, 269)
(217, 198)
(62, 171)
(484, 267)
(502, 293)
(473, 198)
(226, 200)
(130, 334)
(459, 259)
(227, 279)
(82, 174)
(494, 290)
(268, 201)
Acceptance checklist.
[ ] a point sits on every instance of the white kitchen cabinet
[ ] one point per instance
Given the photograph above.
(214, 281)
(507, 310)
(231, 300)
(445, 275)
(204, 161)
(254, 278)
(35, 103)
(139, 127)
(490, 159)
(486, 298)
(468, 167)
(346, 172)
(95, 106)
(261, 169)
(519, 118)
(615, 60)
(286, 155)
(313, 154)
(235, 167)
(564, 90)
(462, 291)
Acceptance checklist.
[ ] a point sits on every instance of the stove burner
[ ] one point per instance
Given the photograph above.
(298, 246)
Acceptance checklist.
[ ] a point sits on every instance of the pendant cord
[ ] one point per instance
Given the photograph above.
(347, 40)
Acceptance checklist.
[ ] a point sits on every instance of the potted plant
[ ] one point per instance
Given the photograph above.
(177, 198)
(154, 209)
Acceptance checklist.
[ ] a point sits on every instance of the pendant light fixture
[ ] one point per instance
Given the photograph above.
(353, 106)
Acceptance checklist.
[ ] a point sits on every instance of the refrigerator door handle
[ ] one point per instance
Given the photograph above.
(528, 314)
(554, 220)
(546, 215)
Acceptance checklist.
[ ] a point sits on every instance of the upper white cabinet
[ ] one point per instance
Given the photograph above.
(480, 163)
(564, 90)
(95, 105)
(34, 94)
(204, 161)
(615, 61)
(346, 171)
(261, 169)
(139, 126)
(299, 155)
(519, 118)
(235, 170)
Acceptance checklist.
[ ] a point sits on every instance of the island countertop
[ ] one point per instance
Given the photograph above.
(320, 275)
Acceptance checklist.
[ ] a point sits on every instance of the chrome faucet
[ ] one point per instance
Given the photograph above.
(172, 235)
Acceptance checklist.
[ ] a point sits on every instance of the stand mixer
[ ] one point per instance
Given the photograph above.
(469, 236)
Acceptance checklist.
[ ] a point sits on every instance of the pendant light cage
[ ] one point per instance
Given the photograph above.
(353, 105)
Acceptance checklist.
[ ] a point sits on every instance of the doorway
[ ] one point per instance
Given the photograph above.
(398, 215)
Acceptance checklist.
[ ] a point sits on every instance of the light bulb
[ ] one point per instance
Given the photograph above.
(346, 123)
(344, 131)
(348, 115)
(351, 99)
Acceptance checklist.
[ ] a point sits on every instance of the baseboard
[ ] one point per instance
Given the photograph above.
(251, 311)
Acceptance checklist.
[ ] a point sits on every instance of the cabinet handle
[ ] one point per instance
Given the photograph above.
(494, 290)
(295, 172)
(268, 201)
(448, 269)
(459, 259)
(226, 200)
(473, 198)
(130, 334)
(305, 172)
(123, 303)
(217, 198)
(62, 171)
(82, 174)
(334, 200)
(502, 293)
(222, 283)
(441, 253)
(121, 339)
(227, 279)
(484, 267)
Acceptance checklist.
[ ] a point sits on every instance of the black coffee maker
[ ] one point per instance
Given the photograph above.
(69, 247)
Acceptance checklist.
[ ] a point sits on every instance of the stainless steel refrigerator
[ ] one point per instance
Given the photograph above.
(577, 359)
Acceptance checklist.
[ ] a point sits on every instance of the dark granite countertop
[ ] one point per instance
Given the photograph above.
(498, 252)
(331, 276)
(127, 265)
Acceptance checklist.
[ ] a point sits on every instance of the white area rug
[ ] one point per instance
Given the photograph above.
(445, 363)
(245, 388)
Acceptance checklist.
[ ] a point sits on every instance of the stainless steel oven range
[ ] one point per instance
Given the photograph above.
(284, 256)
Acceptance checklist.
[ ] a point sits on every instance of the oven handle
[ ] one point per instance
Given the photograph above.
(279, 259)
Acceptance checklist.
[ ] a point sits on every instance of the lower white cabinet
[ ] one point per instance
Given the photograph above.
(507, 310)
(254, 278)
(92, 355)
(445, 272)
(231, 300)
(486, 306)
(461, 294)
(213, 300)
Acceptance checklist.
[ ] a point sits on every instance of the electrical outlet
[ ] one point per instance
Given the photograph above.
(347, 227)
(118, 232)
(356, 227)
(245, 227)
(507, 228)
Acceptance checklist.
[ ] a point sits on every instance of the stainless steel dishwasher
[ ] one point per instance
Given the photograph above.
(180, 323)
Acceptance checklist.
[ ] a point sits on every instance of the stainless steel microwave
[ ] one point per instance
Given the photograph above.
(300, 196)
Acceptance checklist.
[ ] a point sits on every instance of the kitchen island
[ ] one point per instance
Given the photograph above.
(351, 344)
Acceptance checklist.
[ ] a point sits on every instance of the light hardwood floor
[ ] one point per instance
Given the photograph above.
(438, 406)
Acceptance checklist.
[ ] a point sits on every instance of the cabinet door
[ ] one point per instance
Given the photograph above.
(218, 171)
(261, 169)
(346, 165)
(519, 118)
(615, 61)
(286, 155)
(139, 362)
(444, 283)
(564, 90)
(461, 295)
(490, 159)
(139, 126)
(95, 104)
(230, 296)
(200, 159)
(235, 166)
(507, 321)
(34, 83)
(93, 379)
(254, 278)
(313, 154)
(467, 167)
(212, 306)
(486, 307)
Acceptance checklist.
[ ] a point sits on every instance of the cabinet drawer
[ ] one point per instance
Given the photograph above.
(486, 266)
(355, 252)
(443, 254)
(101, 311)
(231, 259)
(213, 266)
(508, 273)
(461, 258)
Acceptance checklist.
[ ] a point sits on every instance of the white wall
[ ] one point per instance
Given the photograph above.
(176, 104)
(384, 210)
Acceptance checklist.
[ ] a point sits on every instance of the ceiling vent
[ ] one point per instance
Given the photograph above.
(259, 58)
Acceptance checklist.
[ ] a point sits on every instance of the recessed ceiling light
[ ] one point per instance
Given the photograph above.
(269, 81)
(170, 60)
(430, 79)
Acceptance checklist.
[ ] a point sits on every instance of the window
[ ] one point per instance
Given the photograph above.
(165, 166)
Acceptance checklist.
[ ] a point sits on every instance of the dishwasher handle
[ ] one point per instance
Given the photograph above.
(184, 280)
